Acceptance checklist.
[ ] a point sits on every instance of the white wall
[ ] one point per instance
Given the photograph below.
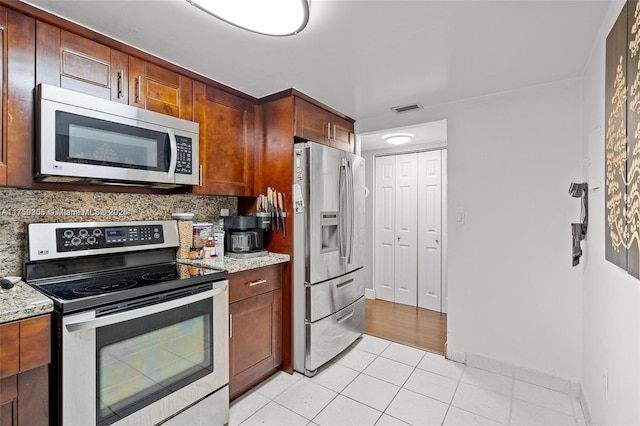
(513, 294)
(611, 297)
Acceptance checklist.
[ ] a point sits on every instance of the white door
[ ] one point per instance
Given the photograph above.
(395, 277)
(406, 254)
(430, 230)
(385, 237)
(445, 236)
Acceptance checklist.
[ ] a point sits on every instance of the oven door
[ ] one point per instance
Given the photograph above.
(144, 365)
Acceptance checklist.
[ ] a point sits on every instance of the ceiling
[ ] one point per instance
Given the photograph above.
(363, 57)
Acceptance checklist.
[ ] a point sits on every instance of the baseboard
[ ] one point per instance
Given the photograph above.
(369, 293)
(524, 374)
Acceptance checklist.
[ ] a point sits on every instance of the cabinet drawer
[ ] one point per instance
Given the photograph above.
(254, 281)
(35, 342)
(333, 334)
(9, 349)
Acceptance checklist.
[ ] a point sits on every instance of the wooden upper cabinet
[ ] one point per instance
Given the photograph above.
(319, 125)
(76, 63)
(157, 89)
(226, 142)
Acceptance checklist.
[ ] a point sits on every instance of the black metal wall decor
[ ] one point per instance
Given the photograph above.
(622, 140)
(579, 230)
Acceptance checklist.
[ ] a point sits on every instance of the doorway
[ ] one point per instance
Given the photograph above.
(405, 322)
(408, 243)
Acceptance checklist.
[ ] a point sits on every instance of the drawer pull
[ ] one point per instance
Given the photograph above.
(344, 284)
(258, 282)
(346, 317)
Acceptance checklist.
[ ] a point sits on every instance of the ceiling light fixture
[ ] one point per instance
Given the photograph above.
(397, 138)
(268, 17)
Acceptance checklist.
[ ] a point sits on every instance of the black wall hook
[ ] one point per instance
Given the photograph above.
(579, 230)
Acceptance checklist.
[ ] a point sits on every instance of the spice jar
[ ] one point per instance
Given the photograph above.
(194, 253)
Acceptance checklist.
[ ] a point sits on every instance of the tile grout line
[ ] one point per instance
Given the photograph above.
(454, 393)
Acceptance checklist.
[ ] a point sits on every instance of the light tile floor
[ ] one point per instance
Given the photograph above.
(378, 382)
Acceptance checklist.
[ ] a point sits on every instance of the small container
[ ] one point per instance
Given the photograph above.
(201, 232)
(185, 232)
(194, 253)
(208, 252)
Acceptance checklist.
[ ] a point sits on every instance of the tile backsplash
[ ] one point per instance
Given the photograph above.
(20, 207)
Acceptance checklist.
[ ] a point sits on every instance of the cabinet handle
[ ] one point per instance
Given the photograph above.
(258, 282)
(120, 73)
(328, 130)
(335, 136)
(230, 326)
(200, 183)
(138, 88)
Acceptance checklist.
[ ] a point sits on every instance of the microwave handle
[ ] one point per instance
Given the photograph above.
(174, 153)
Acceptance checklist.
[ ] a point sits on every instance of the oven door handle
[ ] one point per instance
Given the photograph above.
(142, 312)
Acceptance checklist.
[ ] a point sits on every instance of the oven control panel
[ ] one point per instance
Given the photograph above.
(100, 237)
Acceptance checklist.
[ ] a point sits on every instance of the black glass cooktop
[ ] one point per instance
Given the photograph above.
(86, 291)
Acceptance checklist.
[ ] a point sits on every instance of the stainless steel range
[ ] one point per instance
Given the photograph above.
(138, 338)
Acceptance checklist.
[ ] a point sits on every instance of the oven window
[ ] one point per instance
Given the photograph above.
(142, 360)
(88, 140)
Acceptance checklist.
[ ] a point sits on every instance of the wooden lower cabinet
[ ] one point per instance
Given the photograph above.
(255, 342)
(25, 354)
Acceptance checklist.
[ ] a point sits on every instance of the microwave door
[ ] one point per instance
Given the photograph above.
(112, 142)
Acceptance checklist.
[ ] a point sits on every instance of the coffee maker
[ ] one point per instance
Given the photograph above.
(244, 236)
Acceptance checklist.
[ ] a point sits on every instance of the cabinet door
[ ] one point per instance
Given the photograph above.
(342, 134)
(311, 122)
(226, 142)
(9, 401)
(319, 125)
(66, 60)
(255, 342)
(158, 89)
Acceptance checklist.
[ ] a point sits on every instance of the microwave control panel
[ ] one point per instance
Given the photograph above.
(184, 163)
(91, 238)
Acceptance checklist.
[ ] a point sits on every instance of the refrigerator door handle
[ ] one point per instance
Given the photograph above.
(342, 194)
(350, 202)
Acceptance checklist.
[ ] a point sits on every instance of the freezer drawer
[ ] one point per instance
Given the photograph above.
(330, 336)
(327, 297)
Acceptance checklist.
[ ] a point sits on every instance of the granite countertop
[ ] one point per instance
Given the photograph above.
(23, 302)
(233, 265)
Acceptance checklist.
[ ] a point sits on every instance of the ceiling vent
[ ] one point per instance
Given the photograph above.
(406, 108)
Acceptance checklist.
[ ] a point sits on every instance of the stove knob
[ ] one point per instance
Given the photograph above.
(91, 240)
(76, 241)
(97, 232)
(83, 233)
(68, 233)
(156, 235)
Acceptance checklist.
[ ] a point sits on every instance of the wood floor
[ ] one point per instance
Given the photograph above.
(411, 326)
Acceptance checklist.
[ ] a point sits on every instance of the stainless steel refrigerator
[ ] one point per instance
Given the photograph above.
(328, 225)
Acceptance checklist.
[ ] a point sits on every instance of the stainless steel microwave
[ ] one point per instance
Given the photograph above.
(84, 139)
